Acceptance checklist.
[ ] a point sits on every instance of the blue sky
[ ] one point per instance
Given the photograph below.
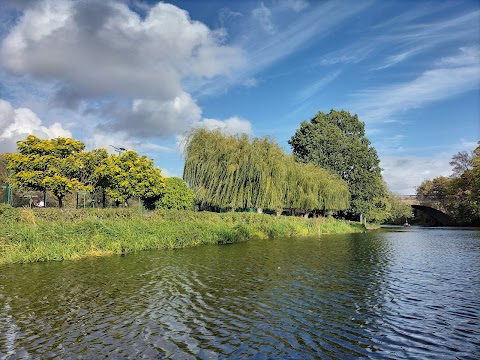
(140, 74)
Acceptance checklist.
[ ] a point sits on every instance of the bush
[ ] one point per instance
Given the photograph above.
(177, 195)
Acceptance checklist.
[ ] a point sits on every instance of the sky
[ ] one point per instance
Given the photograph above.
(140, 74)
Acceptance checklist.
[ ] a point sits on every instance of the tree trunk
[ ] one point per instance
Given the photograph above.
(259, 210)
(60, 202)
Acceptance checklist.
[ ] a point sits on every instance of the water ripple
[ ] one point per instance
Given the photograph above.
(386, 295)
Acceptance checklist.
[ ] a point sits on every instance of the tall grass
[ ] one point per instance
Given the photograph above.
(31, 235)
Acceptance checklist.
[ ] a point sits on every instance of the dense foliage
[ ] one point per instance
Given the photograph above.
(177, 195)
(336, 141)
(47, 165)
(61, 167)
(235, 172)
(128, 175)
(459, 194)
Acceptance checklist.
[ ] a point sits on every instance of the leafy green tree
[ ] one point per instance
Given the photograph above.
(437, 189)
(398, 209)
(313, 189)
(177, 195)
(88, 166)
(461, 162)
(130, 175)
(47, 165)
(459, 194)
(336, 141)
(234, 172)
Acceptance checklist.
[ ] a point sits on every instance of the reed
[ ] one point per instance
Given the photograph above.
(32, 235)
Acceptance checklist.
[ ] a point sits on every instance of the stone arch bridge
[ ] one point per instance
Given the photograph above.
(431, 206)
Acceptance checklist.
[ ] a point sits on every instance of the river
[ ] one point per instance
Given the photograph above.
(393, 293)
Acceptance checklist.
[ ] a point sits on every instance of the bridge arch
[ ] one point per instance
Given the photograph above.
(436, 214)
(431, 206)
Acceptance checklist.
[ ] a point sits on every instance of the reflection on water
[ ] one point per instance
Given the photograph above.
(387, 294)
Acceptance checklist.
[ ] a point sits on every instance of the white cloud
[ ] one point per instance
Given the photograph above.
(168, 173)
(232, 125)
(157, 118)
(102, 48)
(264, 16)
(381, 104)
(403, 174)
(98, 51)
(468, 56)
(112, 140)
(17, 124)
(296, 34)
(409, 34)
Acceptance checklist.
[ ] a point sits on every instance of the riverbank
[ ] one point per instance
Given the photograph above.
(33, 235)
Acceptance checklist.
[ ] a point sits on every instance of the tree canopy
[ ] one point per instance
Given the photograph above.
(461, 162)
(459, 194)
(236, 172)
(61, 166)
(336, 141)
(47, 165)
(129, 175)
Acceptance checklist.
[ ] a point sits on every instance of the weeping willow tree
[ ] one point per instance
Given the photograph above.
(310, 188)
(233, 172)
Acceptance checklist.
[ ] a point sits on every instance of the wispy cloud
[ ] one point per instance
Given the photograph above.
(384, 103)
(295, 5)
(297, 34)
(406, 36)
(413, 39)
(264, 16)
(293, 31)
(398, 58)
(312, 89)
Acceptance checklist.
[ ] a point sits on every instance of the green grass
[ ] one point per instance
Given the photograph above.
(31, 235)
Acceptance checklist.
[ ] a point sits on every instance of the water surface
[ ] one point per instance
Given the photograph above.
(398, 293)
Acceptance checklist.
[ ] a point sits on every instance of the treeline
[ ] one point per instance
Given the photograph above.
(61, 166)
(333, 170)
(233, 172)
(459, 194)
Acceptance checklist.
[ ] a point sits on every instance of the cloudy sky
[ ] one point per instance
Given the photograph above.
(139, 74)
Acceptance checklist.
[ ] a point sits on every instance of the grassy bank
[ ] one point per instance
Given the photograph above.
(30, 235)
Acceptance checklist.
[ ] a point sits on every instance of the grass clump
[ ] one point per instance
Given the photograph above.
(31, 235)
